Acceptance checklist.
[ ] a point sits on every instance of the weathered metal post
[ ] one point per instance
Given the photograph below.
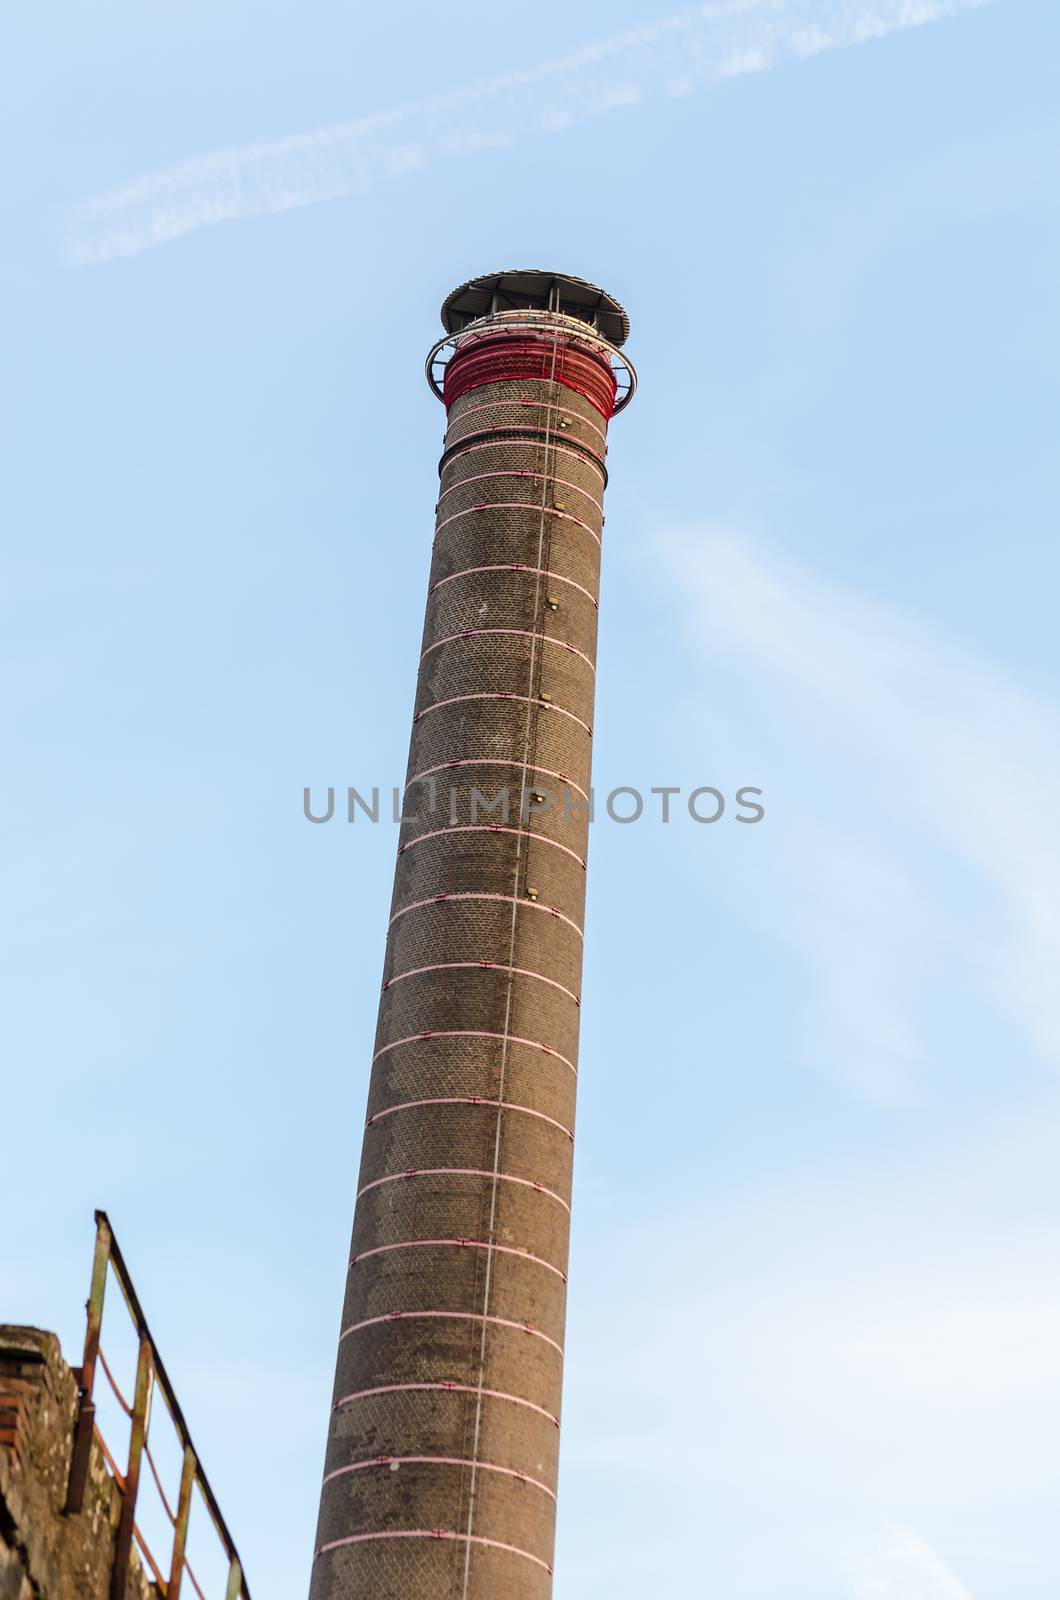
(442, 1457)
(86, 1416)
(137, 1435)
(180, 1524)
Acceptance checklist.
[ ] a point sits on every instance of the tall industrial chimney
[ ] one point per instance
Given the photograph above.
(440, 1477)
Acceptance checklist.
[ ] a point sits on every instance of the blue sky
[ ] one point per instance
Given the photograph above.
(814, 1315)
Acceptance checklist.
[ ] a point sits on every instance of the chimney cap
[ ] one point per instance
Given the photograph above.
(536, 291)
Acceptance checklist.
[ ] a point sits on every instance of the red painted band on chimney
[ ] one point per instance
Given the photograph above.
(505, 359)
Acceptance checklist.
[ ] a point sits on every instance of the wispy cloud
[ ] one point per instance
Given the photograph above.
(924, 836)
(898, 1566)
(861, 1360)
(669, 56)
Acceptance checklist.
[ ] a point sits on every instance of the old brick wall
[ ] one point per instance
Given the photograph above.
(44, 1554)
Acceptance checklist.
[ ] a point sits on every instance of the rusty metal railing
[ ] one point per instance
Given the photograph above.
(150, 1376)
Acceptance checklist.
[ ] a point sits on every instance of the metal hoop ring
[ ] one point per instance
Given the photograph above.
(515, 323)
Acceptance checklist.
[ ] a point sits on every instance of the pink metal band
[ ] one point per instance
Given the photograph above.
(517, 566)
(540, 405)
(456, 1244)
(472, 894)
(515, 633)
(487, 966)
(521, 472)
(581, 456)
(438, 1461)
(458, 1316)
(462, 1172)
(518, 505)
(492, 761)
(493, 827)
(445, 1388)
(468, 1100)
(434, 1533)
(502, 694)
(473, 1033)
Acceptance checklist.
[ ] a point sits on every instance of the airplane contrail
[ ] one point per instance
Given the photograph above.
(675, 55)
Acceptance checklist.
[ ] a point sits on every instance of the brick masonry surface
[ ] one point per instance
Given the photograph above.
(442, 1454)
(45, 1554)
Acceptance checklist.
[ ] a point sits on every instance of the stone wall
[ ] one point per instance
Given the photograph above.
(45, 1554)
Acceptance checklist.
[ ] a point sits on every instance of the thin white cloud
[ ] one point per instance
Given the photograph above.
(924, 838)
(670, 56)
(899, 1566)
(862, 1359)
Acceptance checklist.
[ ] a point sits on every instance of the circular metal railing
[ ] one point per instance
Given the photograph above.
(516, 323)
